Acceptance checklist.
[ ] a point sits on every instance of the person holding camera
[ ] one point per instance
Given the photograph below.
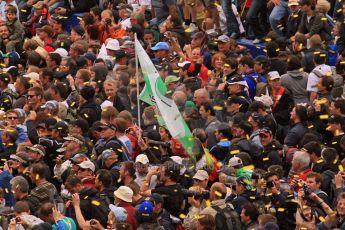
(313, 183)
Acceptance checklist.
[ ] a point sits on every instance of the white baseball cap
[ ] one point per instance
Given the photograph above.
(142, 158)
(113, 44)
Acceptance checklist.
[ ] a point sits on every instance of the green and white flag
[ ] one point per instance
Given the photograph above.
(154, 94)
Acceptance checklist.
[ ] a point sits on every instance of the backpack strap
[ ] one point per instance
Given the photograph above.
(317, 73)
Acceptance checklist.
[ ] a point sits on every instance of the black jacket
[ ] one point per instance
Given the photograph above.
(316, 25)
(80, 6)
(281, 111)
(293, 22)
(270, 155)
(90, 112)
(295, 135)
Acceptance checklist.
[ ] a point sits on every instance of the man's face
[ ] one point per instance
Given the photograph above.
(11, 16)
(244, 218)
(312, 184)
(341, 207)
(12, 119)
(198, 99)
(33, 99)
(203, 112)
(275, 181)
(265, 139)
(148, 38)
(4, 32)
(295, 165)
(107, 133)
(123, 172)
(223, 46)
(64, 66)
(232, 108)
(293, 114)
(160, 54)
(294, 8)
(110, 90)
(82, 173)
(141, 168)
(75, 36)
(34, 156)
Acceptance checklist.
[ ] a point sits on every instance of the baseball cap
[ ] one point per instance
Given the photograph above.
(124, 193)
(201, 175)
(156, 198)
(293, 3)
(161, 46)
(120, 54)
(265, 132)
(76, 138)
(227, 170)
(223, 38)
(237, 79)
(113, 44)
(336, 119)
(82, 124)
(90, 56)
(62, 52)
(142, 158)
(76, 157)
(170, 79)
(119, 213)
(145, 208)
(20, 157)
(53, 105)
(245, 126)
(4, 77)
(235, 161)
(38, 149)
(273, 75)
(87, 165)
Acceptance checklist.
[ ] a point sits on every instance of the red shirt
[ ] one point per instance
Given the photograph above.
(131, 214)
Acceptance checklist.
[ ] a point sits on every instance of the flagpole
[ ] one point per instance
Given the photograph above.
(137, 80)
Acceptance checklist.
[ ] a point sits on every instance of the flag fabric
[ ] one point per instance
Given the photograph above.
(154, 94)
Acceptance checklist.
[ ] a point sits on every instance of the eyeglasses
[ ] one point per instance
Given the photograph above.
(29, 96)
(12, 118)
(82, 170)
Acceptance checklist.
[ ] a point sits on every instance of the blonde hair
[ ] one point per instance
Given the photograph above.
(323, 6)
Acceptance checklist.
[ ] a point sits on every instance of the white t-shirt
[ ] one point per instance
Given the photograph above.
(313, 79)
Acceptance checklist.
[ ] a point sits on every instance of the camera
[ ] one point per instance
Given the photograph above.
(18, 219)
(269, 184)
(197, 195)
(160, 143)
(306, 191)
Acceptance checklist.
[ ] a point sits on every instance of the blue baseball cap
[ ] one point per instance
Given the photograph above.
(160, 46)
(145, 208)
(119, 213)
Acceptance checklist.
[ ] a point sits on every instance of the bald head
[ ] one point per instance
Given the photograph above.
(218, 191)
(200, 96)
(180, 98)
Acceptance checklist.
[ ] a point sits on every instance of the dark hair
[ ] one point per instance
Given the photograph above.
(256, 105)
(46, 72)
(208, 107)
(272, 49)
(301, 112)
(72, 181)
(329, 154)
(251, 210)
(11, 9)
(60, 88)
(130, 168)
(25, 81)
(207, 222)
(124, 77)
(88, 19)
(39, 170)
(46, 209)
(340, 104)
(176, 19)
(270, 174)
(308, 137)
(301, 39)
(318, 177)
(56, 58)
(313, 147)
(105, 177)
(172, 170)
(21, 206)
(320, 57)
(34, 59)
(293, 63)
(247, 60)
(121, 124)
(96, 11)
(327, 82)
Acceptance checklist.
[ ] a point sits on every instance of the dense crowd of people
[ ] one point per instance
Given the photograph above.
(81, 149)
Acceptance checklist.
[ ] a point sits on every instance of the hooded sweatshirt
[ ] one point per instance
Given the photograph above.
(296, 81)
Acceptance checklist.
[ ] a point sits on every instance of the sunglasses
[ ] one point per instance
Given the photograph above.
(12, 118)
(29, 96)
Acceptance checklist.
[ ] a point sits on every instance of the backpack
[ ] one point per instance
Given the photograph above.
(99, 207)
(227, 218)
(338, 81)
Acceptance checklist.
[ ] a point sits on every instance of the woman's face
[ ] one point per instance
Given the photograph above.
(219, 63)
